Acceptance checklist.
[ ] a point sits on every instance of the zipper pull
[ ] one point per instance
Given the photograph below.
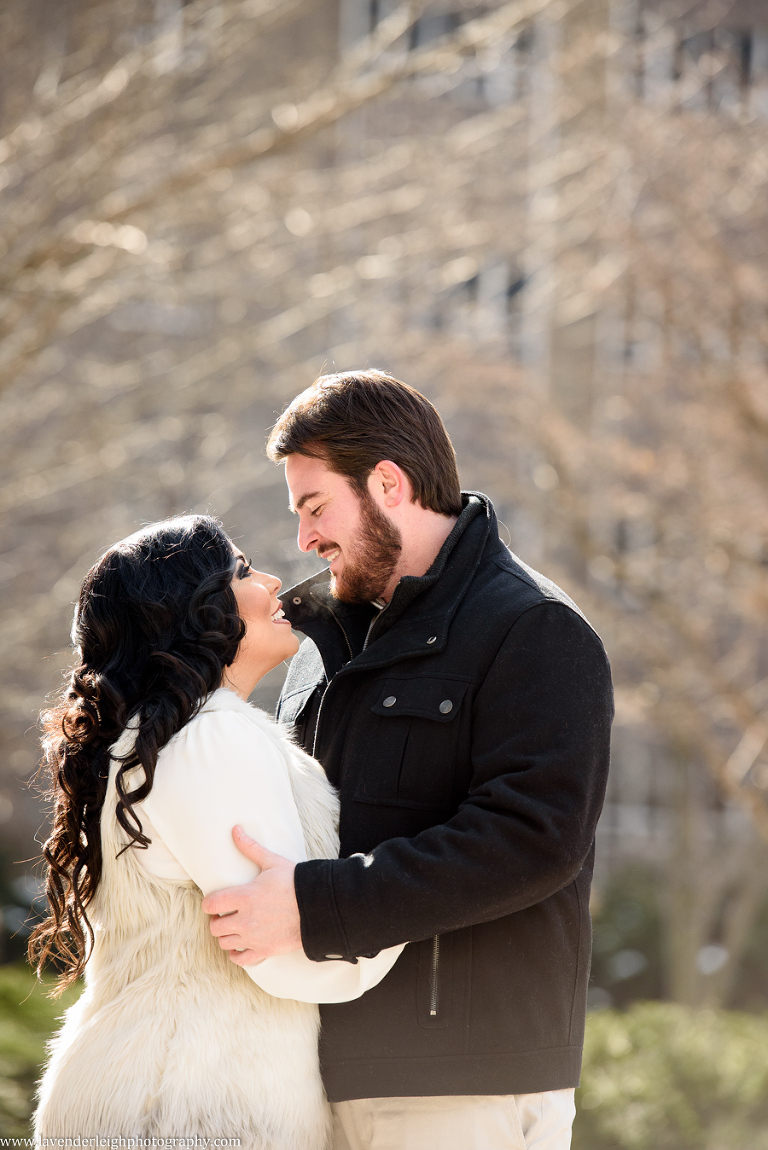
(434, 984)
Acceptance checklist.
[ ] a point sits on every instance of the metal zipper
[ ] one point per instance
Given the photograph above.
(325, 692)
(434, 983)
(346, 638)
(317, 723)
(349, 648)
(373, 623)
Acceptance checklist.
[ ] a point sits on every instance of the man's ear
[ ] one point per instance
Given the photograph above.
(389, 484)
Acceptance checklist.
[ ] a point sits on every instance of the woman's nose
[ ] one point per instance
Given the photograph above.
(271, 582)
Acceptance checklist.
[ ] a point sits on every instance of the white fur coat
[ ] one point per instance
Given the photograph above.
(169, 1038)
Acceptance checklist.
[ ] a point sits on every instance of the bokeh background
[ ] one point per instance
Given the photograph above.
(550, 216)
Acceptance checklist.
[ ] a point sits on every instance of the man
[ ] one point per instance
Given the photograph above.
(462, 705)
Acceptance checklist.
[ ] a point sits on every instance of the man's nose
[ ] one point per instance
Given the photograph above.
(308, 537)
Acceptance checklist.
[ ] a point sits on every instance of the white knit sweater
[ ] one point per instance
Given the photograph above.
(169, 1038)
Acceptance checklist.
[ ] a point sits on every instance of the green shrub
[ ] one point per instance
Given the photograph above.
(628, 926)
(27, 1018)
(665, 1077)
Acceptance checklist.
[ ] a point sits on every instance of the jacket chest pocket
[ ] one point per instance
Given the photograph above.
(405, 753)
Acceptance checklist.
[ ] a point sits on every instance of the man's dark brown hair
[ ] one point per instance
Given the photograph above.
(354, 419)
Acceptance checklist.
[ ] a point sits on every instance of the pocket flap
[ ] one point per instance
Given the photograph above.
(423, 698)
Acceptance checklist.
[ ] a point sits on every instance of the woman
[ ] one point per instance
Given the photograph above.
(154, 755)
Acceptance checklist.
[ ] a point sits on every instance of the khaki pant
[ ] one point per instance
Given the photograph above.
(462, 1122)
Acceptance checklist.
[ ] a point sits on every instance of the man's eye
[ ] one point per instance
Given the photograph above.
(316, 511)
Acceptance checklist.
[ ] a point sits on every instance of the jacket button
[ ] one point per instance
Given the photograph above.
(297, 599)
(390, 701)
(432, 639)
(446, 706)
(334, 956)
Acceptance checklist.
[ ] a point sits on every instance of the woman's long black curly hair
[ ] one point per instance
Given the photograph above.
(155, 626)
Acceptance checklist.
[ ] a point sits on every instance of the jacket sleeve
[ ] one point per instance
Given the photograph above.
(222, 770)
(540, 751)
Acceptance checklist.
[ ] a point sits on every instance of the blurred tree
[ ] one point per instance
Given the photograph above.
(547, 214)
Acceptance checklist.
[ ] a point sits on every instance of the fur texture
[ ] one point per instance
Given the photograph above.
(170, 1038)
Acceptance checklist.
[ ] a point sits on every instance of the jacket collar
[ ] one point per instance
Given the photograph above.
(418, 616)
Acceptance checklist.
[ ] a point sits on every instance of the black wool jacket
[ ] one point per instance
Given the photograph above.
(466, 727)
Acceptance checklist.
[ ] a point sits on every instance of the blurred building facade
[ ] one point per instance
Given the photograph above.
(453, 230)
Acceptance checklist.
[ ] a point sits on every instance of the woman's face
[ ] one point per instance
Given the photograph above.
(268, 636)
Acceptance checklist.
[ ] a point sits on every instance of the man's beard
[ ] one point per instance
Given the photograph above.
(368, 570)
